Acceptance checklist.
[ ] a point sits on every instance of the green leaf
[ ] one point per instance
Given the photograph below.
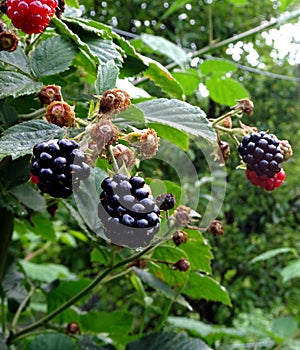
(188, 79)
(179, 115)
(20, 139)
(41, 226)
(155, 283)
(86, 198)
(101, 255)
(8, 115)
(65, 291)
(171, 134)
(17, 59)
(271, 253)
(16, 84)
(13, 173)
(284, 327)
(54, 55)
(291, 271)
(217, 65)
(73, 3)
(116, 322)
(106, 77)
(52, 341)
(105, 50)
(239, 2)
(284, 4)
(174, 7)
(45, 272)
(166, 47)
(132, 115)
(167, 341)
(29, 196)
(225, 90)
(163, 272)
(202, 286)
(13, 287)
(66, 32)
(204, 330)
(198, 252)
(163, 78)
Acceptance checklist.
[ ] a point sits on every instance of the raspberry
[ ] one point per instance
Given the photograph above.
(265, 182)
(261, 153)
(31, 16)
(128, 212)
(57, 167)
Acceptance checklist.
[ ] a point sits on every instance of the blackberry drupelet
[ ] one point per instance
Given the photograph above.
(58, 166)
(128, 212)
(261, 153)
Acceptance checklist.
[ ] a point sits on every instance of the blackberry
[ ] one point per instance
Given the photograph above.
(58, 166)
(261, 153)
(128, 212)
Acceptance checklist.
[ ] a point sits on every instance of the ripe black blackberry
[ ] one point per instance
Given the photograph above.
(261, 153)
(58, 166)
(128, 212)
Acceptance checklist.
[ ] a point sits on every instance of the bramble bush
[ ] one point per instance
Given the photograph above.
(110, 192)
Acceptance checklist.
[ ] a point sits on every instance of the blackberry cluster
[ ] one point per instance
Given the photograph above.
(128, 212)
(58, 166)
(261, 153)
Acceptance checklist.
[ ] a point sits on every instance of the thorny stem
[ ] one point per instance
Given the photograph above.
(6, 224)
(113, 159)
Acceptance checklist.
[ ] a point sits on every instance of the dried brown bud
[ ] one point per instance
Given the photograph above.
(140, 264)
(165, 201)
(50, 93)
(246, 105)
(8, 41)
(148, 143)
(179, 237)
(226, 123)
(182, 215)
(124, 155)
(73, 328)
(182, 265)
(286, 149)
(103, 134)
(60, 113)
(60, 8)
(216, 228)
(114, 101)
(224, 151)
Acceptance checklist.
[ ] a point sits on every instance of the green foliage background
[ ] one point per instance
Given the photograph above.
(53, 258)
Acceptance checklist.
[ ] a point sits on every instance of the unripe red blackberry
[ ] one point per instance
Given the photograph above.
(266, 183)
(31, 16)
(127, 211)
(58, 166)
(261, 153)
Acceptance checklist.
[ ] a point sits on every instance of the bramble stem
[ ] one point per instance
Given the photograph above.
(7, 227)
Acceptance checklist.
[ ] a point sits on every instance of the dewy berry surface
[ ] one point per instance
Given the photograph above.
(31, 16)
(58, 166)
(261, 153)
(265, 182)
(128, 212)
